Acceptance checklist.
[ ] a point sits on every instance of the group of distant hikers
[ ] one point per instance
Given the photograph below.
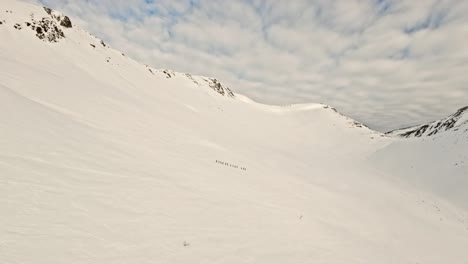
(230, 165)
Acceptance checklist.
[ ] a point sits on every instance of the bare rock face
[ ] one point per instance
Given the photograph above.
(168, 73)
(50, 28)
(62, 19)
(219, 88)
(48, 10)
(47, 29)
(455, 122)
(65, 22)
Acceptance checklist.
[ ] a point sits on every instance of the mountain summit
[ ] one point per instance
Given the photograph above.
(106, 160)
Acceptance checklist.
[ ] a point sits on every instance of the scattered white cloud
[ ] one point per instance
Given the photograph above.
(387, 63)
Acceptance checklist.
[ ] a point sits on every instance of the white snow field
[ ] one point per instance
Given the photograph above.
(105, 160)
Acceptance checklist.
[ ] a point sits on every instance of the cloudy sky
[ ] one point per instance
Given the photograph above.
(386, 63)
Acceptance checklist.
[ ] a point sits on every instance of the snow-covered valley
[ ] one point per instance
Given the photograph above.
(106, 160)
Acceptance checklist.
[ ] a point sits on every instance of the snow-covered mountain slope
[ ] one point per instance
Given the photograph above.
(455, 122)
(433, 156)
(105, 160)
(438, 163)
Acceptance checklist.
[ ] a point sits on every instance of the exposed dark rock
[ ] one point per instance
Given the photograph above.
(331, 108)
(47, 30)
(103, 44)
(18, 26)
(168, 75)
(66, 22)
(92, 45)
(1, 22)
(433, 128)
(229, 92)
(191, 78)
(417, 132)
(48, 10)
(357, 124)
(219, 88)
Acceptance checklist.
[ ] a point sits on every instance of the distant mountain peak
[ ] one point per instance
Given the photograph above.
(454, 122)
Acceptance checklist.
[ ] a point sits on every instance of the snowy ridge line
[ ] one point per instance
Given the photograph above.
(51, 26)
(457, 121)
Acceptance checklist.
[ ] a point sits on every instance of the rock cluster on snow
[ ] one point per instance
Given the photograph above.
(49, 28)
(168, 73)
(219, 88)
(62, 19)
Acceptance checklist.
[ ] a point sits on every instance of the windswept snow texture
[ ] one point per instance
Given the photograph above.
(105, 160)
